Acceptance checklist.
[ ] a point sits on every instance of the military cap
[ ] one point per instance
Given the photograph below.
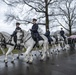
(34, 19)
(17, 23)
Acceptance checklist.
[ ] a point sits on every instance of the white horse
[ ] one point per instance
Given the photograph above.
(63, 44)
(4, 37)
(29, 44)
(2, 43)
(53, 46)
(10, 44)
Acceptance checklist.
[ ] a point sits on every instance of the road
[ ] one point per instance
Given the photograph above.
(63, 63)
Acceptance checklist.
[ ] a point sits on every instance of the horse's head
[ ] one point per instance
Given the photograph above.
(2, 40)
(20, 35)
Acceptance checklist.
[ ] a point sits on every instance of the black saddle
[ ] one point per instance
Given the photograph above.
(49, 39)
(36, 37)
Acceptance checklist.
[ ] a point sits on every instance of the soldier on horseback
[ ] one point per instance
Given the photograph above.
(15, 32)
(15, 35)
(34, 32)
(47, 34)
(62, 34)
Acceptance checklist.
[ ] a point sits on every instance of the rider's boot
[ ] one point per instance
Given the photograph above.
(37, 44)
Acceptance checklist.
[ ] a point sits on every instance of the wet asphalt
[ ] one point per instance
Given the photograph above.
(61, 63)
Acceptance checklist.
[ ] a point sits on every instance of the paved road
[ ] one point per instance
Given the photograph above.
(63, 63)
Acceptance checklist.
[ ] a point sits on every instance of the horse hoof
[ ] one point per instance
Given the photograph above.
(6, 64)
(35, 54)
(21, 54)
(41, 60)
(40, 52)
(12, 62)
(63, 49)
(17, 57)
(48, 57)
(27, 62)
(51, 53)
(30, 62)
(41, 55)
(58, 51)
(5, 61)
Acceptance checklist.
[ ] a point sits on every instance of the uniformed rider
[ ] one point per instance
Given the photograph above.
(34, 31)
(62, 33)
(15, 32)
(47, 34)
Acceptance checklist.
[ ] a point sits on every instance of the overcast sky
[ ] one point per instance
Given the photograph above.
(3, 25)
(6, 27)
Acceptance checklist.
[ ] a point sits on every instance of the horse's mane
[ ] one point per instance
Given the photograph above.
(1, 36)
(6, 35)
(26, 32)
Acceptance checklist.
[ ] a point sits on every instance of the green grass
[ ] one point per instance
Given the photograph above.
(14, 51)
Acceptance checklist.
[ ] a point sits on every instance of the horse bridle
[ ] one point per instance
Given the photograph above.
(2, 42)
(22, 37)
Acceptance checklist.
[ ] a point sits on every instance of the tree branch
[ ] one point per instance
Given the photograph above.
(34, 7)
(61, 24)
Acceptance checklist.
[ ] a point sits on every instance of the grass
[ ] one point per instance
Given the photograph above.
(14, 51)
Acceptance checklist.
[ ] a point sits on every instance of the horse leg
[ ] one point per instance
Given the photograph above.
(30, 58)
(55, 48)
(48, 51)
(3, 51)
(12, 57)
(44, 50)
(26, 54)
(19, 53)
(52, 48)
(6, 55)
(62, 45)
(59, 47)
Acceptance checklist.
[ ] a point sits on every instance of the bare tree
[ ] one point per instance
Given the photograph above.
(67, 9)
(40, 7)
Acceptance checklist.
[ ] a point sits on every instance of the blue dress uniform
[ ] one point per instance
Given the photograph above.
(47, 34)
(35, 35)
(14, 34)
(62, 34)
(35, 28)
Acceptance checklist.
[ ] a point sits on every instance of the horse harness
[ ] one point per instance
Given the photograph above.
(2, 41)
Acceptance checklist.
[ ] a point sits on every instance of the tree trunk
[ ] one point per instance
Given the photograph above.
(70, 31)
(70, 26)
(46, 15)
